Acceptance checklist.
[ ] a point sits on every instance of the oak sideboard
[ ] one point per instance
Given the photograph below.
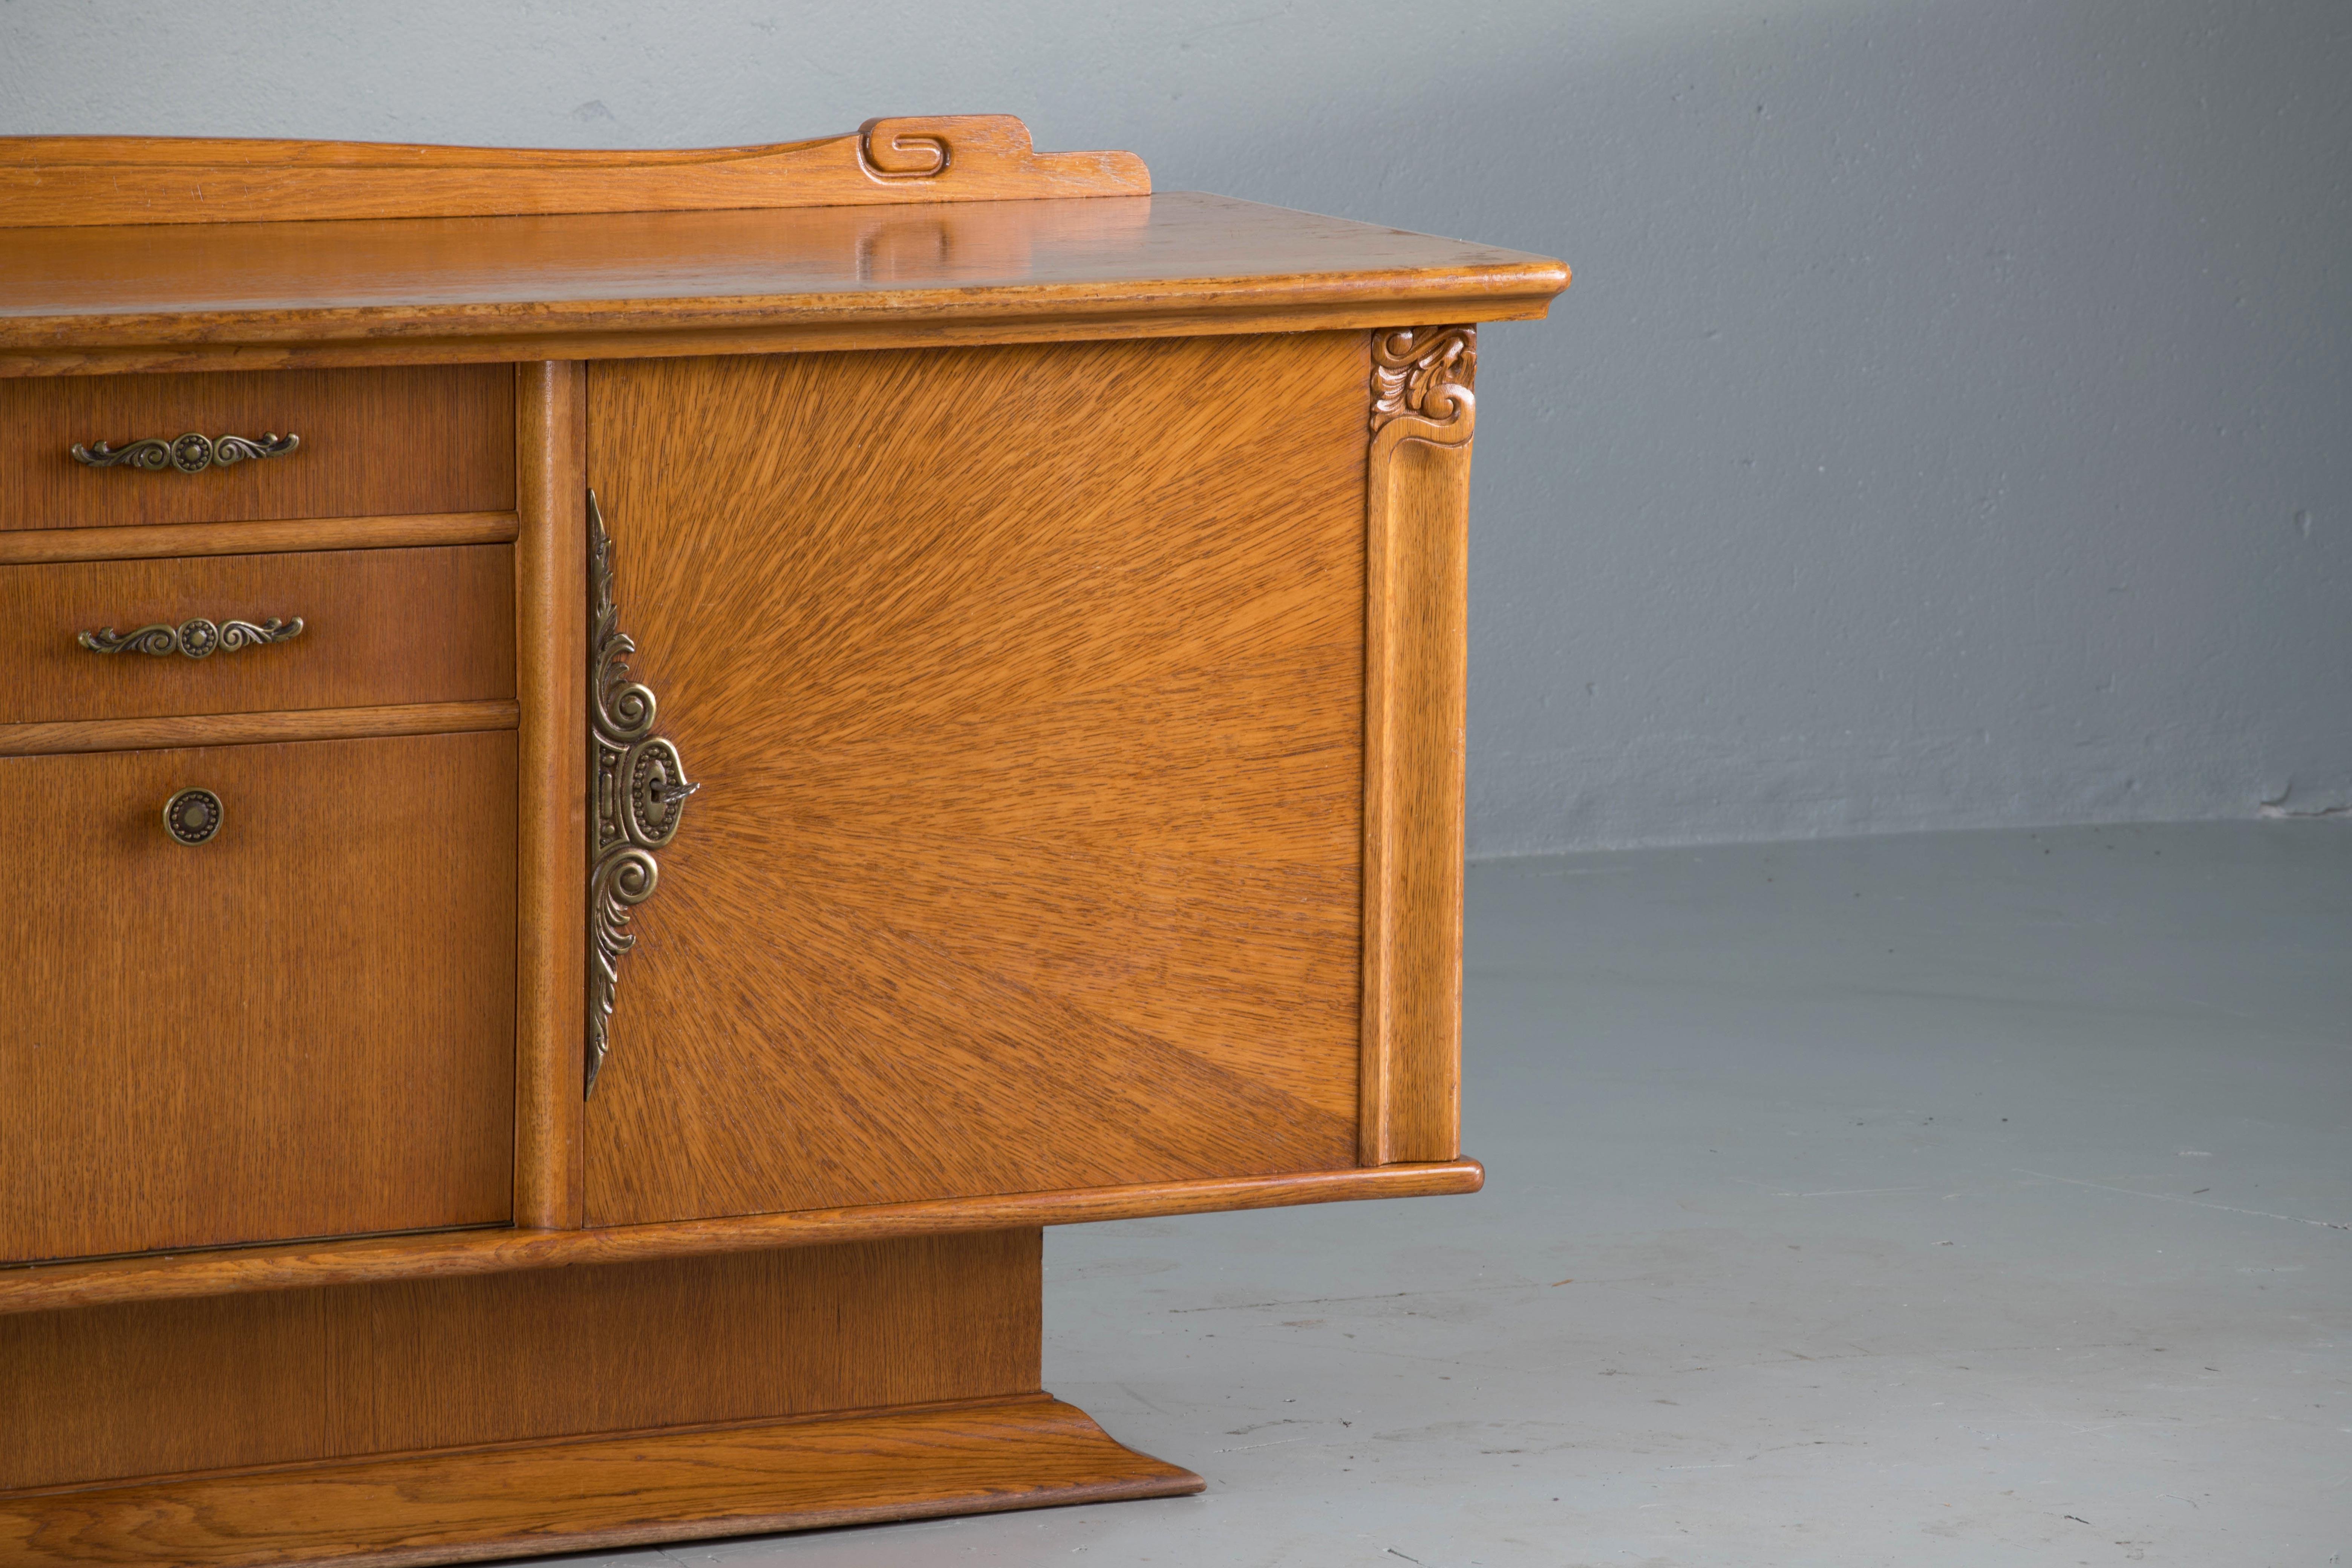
(631, 768)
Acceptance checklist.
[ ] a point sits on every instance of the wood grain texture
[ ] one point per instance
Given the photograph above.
(1416, 678)
(551, 872)
(302, 1027)
(26, 546)
(432, 439)
(82, 301)
(57, 181)
(195, 1275)
(1025, 685)
(250, 729)
(605, 1493)
(165, 1387)
(157, 1389)
(381, 629)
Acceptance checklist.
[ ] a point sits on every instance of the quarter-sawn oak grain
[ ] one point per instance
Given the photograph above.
(302, 1027)
(1025, 688)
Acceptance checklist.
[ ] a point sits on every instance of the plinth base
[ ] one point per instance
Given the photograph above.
(600, 1492)
(557, 1410)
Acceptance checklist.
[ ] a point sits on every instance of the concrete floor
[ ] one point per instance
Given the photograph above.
(1977, 1198)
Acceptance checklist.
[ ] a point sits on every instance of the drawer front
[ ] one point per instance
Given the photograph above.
(379, 627)
(303, 1026)
(375, 442)
(1024, 687)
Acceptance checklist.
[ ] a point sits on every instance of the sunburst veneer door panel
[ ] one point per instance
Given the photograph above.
(1026, 688)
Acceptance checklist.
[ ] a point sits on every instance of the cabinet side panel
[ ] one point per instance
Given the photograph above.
(1025, 685)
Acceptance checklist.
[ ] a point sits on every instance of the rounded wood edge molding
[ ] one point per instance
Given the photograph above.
(56, 737)
(43, 546)
(35, 1287)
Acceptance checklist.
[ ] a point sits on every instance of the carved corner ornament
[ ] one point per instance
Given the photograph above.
(638, 796)
(1425, 373)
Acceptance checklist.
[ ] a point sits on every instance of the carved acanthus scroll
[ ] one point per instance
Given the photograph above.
(1423, 370)
(639, 794)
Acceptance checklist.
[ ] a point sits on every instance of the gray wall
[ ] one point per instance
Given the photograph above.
(1951, 423)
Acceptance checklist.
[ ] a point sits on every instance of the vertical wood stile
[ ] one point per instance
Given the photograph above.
(1417, 501)
(551, 681)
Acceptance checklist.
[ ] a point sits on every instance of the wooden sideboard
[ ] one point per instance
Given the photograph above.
(632, 768)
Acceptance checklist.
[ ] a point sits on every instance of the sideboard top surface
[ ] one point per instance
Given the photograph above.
(152, 297)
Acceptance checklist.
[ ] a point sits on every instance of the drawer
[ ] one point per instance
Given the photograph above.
(379, 627)
(303, 1026)
(374, 442)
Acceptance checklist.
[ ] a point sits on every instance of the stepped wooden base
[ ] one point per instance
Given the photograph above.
(554, 1410)
(600, 1492)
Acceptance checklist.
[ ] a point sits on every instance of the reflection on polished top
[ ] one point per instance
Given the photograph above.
(292, 285)
(899, 261)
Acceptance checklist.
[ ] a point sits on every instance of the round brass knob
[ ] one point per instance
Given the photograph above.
(193, 815)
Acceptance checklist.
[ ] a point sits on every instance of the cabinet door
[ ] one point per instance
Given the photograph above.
(302, 1025)
(1025, 688)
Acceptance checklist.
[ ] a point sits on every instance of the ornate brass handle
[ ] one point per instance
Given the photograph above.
(637, 797)
(191, 454)
(192, 816)
(197, 639)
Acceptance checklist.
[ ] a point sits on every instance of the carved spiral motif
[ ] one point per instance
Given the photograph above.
(625, 708)
(889, 154)
(195, 639)
(1426, 372)
(159, 640)
(191, 454)
(640, 792)
(234, 635)
(623, 880)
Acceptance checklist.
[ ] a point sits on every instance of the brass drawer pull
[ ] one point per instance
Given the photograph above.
(192, 816)
(197, 639)
(191, 454)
